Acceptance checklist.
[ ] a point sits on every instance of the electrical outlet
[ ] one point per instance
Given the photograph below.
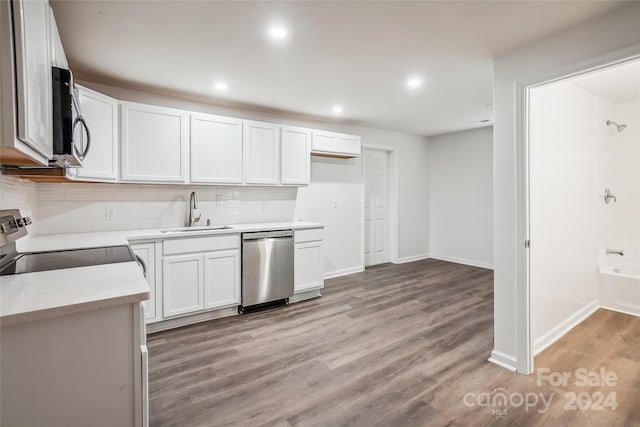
(109, 214)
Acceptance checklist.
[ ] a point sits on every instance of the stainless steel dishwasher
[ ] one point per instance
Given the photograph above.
(267, 267)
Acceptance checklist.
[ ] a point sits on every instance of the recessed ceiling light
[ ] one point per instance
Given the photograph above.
(278, 32)
(221, 86)
(337, 109)
(414, 83)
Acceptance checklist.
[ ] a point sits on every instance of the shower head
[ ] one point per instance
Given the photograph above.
(619, 127)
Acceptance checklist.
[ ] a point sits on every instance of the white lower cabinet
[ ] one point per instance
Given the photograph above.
(308, 260)
(182, 284)
(85, 368)
(194, 280)
(222, 278)
(147, 253)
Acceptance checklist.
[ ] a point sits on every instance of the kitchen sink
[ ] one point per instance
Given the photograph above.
(197, 228)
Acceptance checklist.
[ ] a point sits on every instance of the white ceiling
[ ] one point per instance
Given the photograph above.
(355, 54)
(617, 84)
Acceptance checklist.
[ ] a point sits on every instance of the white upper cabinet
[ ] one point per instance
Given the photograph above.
(101, 114)
(349, 144)
(261, 153)
(31, 19)
(58, 57)
(154, 143)
(325, 141)
(335, 144)
(295, 156)
(216, 149)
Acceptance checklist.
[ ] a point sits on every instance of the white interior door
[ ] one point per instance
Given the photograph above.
(376, 206)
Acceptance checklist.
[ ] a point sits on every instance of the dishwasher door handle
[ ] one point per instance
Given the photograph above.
(280, 234)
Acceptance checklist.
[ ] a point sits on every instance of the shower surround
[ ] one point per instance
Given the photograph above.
(574, 156)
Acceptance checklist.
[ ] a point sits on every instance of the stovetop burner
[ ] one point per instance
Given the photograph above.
(56, 260)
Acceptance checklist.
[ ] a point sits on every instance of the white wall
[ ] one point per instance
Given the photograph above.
(461, 197)
(566, 127)
(80, 207)
(551, 57)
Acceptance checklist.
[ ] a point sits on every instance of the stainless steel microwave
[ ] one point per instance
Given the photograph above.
(71, 136)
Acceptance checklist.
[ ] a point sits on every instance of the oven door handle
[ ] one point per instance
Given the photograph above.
(142, 265)
(81, 120)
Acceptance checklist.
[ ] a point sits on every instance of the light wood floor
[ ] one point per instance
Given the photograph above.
(397, 345)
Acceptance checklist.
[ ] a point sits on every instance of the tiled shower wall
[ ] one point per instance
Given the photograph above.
(77, 207)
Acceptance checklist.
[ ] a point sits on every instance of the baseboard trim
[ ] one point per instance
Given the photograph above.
(621, 310)
(303, 296)
(164, 325)
(343, 272)
(412, 258)
(503, 360)
(465, 261)
(561, 329)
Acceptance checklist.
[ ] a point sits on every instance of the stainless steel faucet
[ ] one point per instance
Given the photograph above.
(615, 252)
(193, 204)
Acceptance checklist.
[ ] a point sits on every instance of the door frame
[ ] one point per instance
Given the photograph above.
(393, 187)
(524, 345)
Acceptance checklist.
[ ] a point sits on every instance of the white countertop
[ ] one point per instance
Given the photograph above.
(34, 296)
(44, 294)
(53, 242)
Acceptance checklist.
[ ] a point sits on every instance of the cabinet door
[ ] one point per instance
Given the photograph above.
(295, 155)
(325, 141)
(146, 252)
(58, 57)
(222, 278)
(216, 149)
(349, 144)
(182, 284)
(31, 20)
(261, 147)
(153, 143)
(101, 114)
(309, 266)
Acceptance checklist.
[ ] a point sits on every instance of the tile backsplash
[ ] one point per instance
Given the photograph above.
(76, 207)
(19, 194)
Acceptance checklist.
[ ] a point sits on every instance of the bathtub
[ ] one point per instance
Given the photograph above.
(619, 283)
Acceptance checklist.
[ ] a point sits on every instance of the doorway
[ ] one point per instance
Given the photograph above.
(376, 206)
(580, 142)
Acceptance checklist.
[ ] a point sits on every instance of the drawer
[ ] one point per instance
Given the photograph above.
(311, 235)
(200, 244)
